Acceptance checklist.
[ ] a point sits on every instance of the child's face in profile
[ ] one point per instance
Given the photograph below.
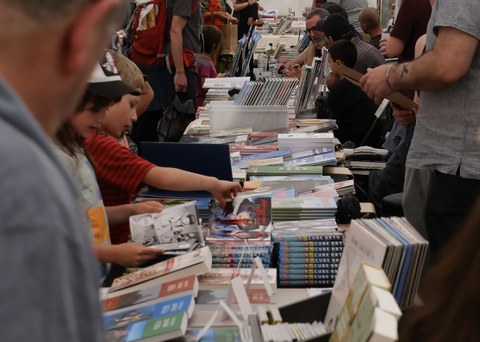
(87, 121)
(121, 115)
(334, 66)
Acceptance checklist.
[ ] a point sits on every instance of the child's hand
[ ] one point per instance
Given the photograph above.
(147, 207)
(132, 254)
(225, 190)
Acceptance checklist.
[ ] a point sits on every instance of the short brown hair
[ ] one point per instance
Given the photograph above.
(130, 73)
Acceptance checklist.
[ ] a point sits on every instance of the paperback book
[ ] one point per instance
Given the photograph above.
(177, 287)
(159, 329)
(175, 228)
(195, 262)
(242, 218)
(151, 311)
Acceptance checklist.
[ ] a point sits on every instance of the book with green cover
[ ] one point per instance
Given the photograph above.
(160, 329)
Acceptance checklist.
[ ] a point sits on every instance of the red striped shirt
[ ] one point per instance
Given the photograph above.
(120, 174)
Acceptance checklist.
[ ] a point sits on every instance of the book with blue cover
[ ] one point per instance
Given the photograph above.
(164, 328)
(151, 311)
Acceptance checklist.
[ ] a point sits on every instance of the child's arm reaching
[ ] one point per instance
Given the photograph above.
(180, 180)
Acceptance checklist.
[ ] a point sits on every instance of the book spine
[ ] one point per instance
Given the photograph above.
(323, 261)
(239, 254)
(285, 276)
(298, 238)
(307, 271)
(305, 283)
(265, 259)
(315, 244)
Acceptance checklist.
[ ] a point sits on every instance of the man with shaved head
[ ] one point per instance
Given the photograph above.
(49, 282)
(369, 20)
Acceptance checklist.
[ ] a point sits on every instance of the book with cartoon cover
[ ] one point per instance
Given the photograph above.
(175, 228)
(244, 217)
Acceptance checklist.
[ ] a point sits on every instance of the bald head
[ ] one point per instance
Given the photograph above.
(369, 18)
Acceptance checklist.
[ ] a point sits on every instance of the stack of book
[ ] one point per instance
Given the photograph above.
(275, 170)
(390, 243)
(370, 312)
(307, 253)
(298, 142)
(158, 312)
(362, 159)
(219, 279)
(240, 231)
(291, 209)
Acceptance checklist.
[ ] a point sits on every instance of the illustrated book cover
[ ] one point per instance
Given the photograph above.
(244, 217)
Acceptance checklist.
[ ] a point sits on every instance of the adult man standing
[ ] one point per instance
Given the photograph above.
(50, 279)
(446, 135)
(169, 79)
(369, 21)
(353, 8)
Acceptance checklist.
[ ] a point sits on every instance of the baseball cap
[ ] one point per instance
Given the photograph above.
(105, 80)
(335, 26)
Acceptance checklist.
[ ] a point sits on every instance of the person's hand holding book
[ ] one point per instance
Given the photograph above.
(224, 190)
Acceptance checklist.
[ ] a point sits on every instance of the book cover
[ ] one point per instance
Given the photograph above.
(160, 329)
(244, 217)
(147, 312)
(184, 286)
(174, 228)
(195, 262)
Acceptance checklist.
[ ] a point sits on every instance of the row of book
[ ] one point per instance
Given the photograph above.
(307, 252)
(390, 243)
(273, 91)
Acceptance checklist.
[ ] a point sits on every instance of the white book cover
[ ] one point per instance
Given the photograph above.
(173, 228)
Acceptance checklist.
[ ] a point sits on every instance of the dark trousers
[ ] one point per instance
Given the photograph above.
(449, 202)
(161, 81)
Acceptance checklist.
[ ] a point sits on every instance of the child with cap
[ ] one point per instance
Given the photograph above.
(105, 88)
(121, 173)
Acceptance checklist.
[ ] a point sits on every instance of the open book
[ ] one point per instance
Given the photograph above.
(175, 229)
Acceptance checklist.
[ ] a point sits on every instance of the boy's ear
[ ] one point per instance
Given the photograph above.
(338, 62)
(87, 35)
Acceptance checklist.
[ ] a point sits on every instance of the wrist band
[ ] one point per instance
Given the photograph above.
(387, 76)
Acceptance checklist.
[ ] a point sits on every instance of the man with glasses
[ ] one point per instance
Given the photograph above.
(317, 41)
